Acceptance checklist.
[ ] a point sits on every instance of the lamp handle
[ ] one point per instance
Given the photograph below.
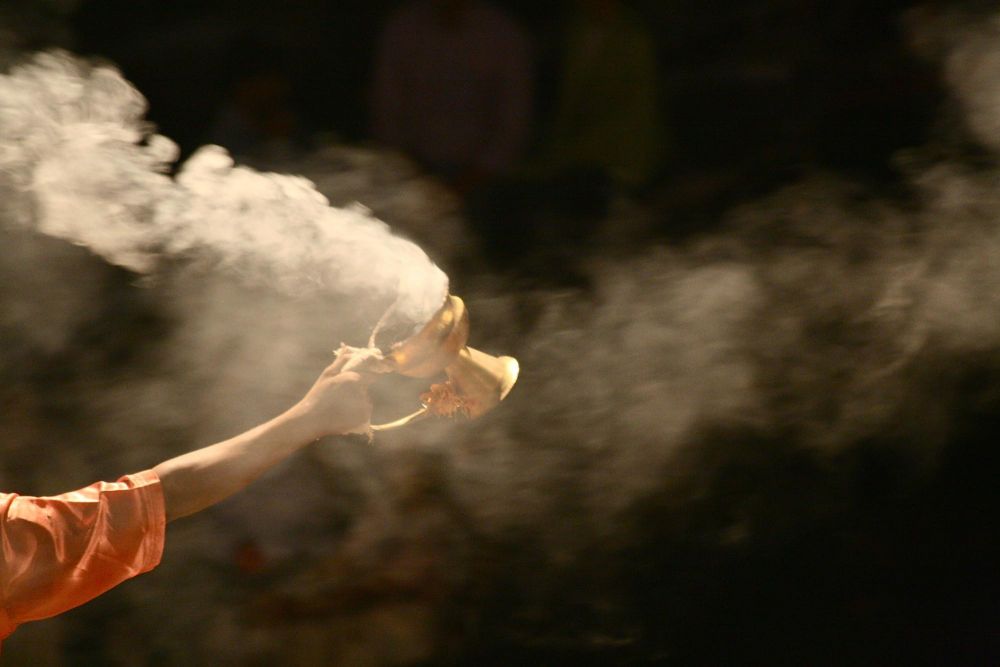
(419, 415)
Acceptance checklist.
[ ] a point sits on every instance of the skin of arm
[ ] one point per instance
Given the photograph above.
(336, 404)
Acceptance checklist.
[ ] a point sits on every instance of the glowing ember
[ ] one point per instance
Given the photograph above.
(442, 401)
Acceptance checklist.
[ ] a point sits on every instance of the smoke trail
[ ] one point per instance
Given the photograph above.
(395, 189)
(807, 318)
(706, 405)
(85, 167)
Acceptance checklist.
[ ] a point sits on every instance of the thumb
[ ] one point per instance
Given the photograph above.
(362, 377)
(365, 362)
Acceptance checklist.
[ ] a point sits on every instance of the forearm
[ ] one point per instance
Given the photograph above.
(337, 403)
(193, 481)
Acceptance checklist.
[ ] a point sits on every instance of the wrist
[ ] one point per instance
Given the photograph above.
(314, 422)
(301, 419)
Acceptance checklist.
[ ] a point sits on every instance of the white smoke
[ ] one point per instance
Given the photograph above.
(82, 165)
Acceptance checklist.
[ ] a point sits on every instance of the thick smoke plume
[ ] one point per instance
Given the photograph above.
(82, 165)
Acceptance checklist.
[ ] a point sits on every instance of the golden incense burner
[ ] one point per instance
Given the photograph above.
(476, 381)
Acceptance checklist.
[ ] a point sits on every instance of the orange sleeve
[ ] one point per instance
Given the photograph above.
(58, 552)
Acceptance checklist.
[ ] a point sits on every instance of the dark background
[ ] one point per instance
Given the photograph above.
(756, 87)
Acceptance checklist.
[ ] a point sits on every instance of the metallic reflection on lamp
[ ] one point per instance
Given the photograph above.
(476, 381)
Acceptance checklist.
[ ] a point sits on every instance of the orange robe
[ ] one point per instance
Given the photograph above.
(58, 552)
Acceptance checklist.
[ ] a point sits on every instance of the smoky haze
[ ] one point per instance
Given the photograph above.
(773, 442)
(77, 149)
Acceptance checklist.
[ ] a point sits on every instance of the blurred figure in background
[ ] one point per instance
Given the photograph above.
(258, 113)
(604, 140)
(606, 121)
(453, 89)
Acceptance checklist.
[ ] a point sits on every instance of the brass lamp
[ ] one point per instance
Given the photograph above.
(476, 381)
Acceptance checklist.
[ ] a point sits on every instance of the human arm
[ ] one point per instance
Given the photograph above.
(337, 403)
(58, 552)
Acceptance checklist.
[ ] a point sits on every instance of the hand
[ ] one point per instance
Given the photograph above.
(338, 401)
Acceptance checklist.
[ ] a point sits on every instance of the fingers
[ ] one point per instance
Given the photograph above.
(363, 378)
(343, 357)
(366, 363)
(364, 412)
(361, 359)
